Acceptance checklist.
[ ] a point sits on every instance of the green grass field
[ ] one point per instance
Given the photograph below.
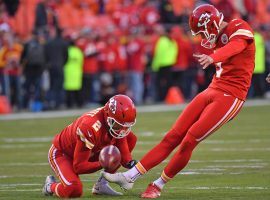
(234, 163)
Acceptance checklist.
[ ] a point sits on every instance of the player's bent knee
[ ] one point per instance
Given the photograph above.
(188, 143)
(74, 190)
(171, 139)
(77, 191)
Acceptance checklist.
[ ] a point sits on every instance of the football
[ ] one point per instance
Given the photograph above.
(110, 158)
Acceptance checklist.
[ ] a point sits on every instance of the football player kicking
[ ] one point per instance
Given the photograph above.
(233, 55)
(76, 149)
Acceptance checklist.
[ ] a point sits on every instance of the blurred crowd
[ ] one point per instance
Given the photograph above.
(57, 54)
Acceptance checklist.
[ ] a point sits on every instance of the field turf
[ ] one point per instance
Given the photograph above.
(234, 163)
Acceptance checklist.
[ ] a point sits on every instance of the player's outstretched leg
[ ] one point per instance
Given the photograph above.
(176, 164)
(47, 186)
(102, 187)
(120, 179)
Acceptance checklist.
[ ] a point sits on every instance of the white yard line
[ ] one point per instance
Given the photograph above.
(236, 149)
(226, 187)
(20, 190)
(234, 141)
(22, 146)
(201, 173)
(225, 161)
(19, 184)
(214, 188)
(180, 187)
(27, 140)
(22, 176)
(23, 164)
(142, 109)
(43, 176)
(245, 162)
(222, 150)
(256, 166)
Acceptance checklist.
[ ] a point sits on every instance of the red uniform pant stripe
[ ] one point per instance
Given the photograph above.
(55, 167)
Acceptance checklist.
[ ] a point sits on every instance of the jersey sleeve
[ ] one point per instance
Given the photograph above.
(86, 136)
(81, 165)
(123, 147)
(229, 50)
(83, 150)
(239, 29)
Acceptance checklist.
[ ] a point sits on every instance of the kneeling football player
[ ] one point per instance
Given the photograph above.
(76, 149)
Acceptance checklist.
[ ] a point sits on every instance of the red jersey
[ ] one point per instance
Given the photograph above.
(91, 129)
(233, 76)
(135, 49)
(109, 56)
(184, 55)
(121, 57)
(149, 15)
(90, 51)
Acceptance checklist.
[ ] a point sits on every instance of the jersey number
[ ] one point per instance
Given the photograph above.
(97, 125)
(219, 70)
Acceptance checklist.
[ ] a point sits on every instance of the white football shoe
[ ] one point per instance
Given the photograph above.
(47, 186)
(102, 187)
(119, 178)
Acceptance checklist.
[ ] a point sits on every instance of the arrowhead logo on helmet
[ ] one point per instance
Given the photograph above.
(204, 19)
(112, 105)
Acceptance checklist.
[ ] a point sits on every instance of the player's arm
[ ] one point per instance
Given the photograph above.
(232, 48)
(126, 156)
(239, 37)
(82, 153)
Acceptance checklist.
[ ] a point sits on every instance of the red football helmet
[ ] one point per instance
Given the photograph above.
(206, 20)
(120, 113)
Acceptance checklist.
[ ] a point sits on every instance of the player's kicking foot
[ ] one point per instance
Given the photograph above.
(119, 179)
(102, 187)
(151, 192)
(47, 186)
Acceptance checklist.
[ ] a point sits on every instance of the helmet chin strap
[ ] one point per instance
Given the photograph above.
(118, 134)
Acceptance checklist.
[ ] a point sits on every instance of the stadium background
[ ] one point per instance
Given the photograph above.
(234, 163)
(86, 51)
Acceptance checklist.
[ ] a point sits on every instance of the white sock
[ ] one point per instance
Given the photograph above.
(160, 183)
(48, 187)
(132, 174)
